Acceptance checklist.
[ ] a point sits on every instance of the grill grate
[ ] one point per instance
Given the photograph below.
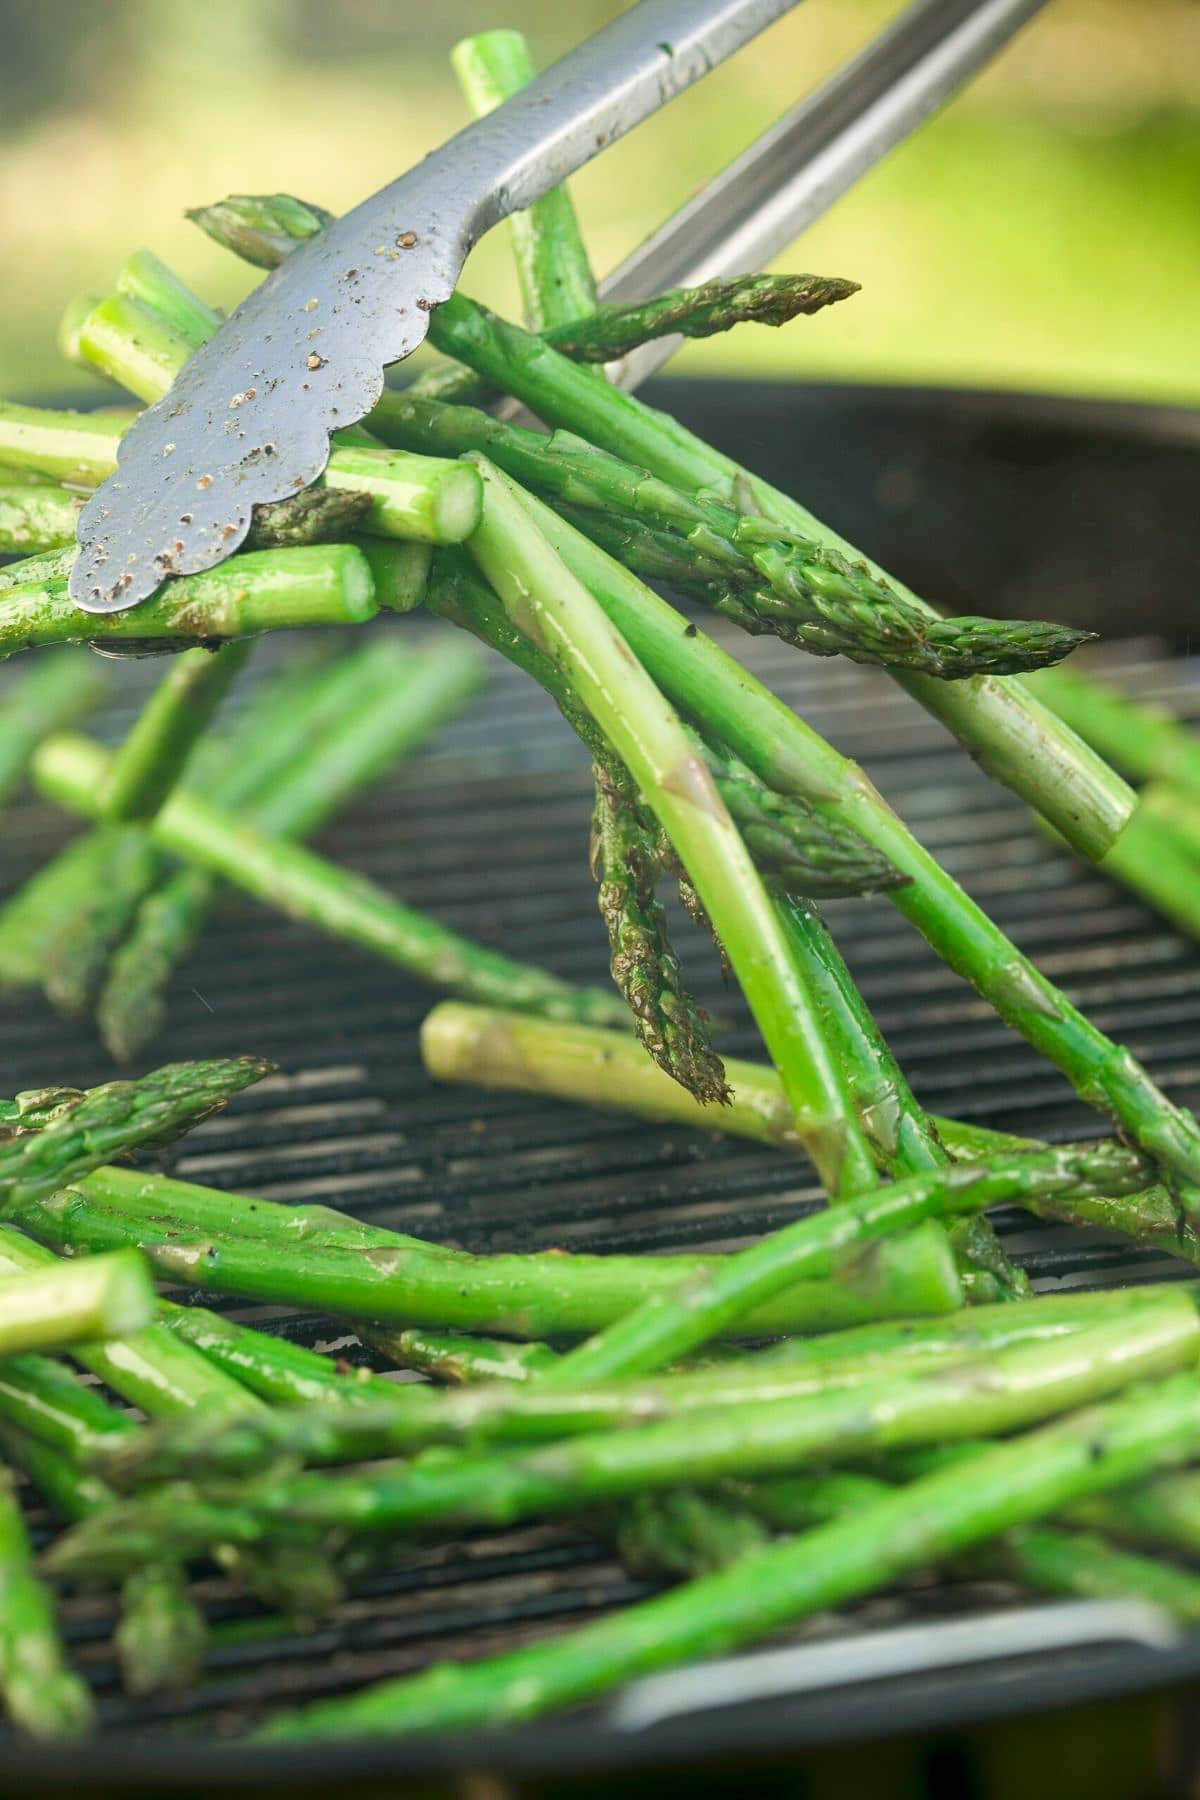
(487, 829)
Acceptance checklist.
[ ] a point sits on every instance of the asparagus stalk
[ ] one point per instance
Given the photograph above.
(156, 751)
(40, 1693)
(699, 312)
(787, 754)
(165, 1376)
(626, 865)
(888, 1347)
(456, 1359)
(265, 590)
(1016, 739)
(553, 272)
(1154, 858)
(160, 1636)
(31, 917)
(78, 448)
(660, 1331)
(787, 839)
(90, 916)
(875, 622)
(1139, 735)
(549, 605)
(300, 755)
(557, 287)
(145, 278)
(56, 691)
(749, 568)
(151, 1367)
(263, 228)
(848, 1401)
(56, 904)
(547, 1296)
(100, 1297)
(306, 886)
(598, 1068)
(49, 1403)
(412, 496)
(271, 1367)
(1016, 1387)
(35, 519)
(1045, 1558)
(120, 1116)
(942, 1514)
(36, 568)
(901, 1133)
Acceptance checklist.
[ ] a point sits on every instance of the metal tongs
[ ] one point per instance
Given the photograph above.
(249, 418)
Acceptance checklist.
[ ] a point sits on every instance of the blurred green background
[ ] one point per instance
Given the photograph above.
(1044, 231)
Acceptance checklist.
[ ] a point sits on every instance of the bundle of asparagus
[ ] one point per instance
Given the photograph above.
(623, 1391)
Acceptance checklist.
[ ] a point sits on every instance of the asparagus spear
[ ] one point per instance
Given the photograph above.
(413, 496)
(166, 1377)
(599, 1068)
(49, 1403)
(1016, 739)
(54, 693)
(625, 858)
(555, 278)
(1045, 1557)
(1015, 1387)
(34, 519)
(36, 568)
(786, 753)
(545, 602)
(1138, 734)
(901, 1132)
(265, 590)
(90, 916)
(660, 1331)
(455, 1358)
(557, 287)
(30, 918)
(306, 886)
(871, 620)
(100, 1297)
(41, 1694)
(890, 1346)
(270, 1366)
(160, 1636)
(263, 228)
(107, 1121)
(552, 1295)
(147, 279)
(751, 569)
(863, 614)
(942, 1514)
(848, 1401)
(300, 755)
(699, 312)
(156, 751)
(787, 839)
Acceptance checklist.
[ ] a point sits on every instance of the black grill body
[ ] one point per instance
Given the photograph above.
(983, 502)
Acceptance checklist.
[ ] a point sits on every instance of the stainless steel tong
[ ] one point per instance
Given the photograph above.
(249, 418)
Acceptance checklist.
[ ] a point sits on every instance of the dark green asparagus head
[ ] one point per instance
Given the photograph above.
(260, 228)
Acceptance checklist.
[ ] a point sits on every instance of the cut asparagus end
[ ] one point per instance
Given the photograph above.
(76, 1302)
(399, 570)
(428, 498)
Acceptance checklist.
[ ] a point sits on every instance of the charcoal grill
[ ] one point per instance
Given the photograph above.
(1006, 503)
